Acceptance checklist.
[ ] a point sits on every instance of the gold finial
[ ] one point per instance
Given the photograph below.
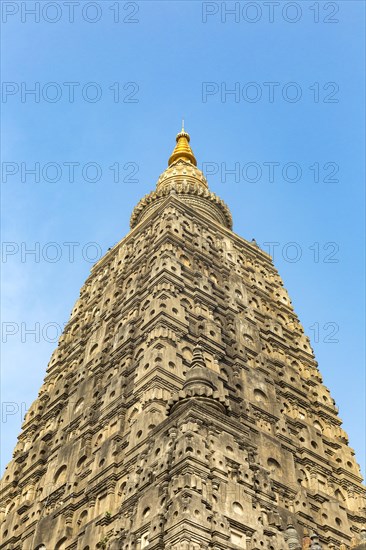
(182, 149)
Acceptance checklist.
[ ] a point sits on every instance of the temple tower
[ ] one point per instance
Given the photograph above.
(183, 408)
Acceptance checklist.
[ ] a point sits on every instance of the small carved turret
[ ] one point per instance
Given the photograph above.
(315, 544)
(201, 383)
(292, 538)
(198, 376)
(361, 545)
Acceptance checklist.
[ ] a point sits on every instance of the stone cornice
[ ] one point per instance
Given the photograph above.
(187, 192)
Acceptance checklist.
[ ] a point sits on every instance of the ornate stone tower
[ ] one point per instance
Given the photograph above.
(183, 408)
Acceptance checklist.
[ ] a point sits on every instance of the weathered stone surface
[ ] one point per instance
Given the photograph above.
(183, 408)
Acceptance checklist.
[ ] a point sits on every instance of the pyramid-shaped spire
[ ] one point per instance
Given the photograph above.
(140, 438)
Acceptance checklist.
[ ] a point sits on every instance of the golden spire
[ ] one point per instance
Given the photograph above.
(182, 149)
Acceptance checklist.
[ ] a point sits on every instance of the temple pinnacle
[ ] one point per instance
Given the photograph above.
(182, 149)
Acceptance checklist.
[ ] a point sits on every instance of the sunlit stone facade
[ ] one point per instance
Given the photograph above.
(183, 408)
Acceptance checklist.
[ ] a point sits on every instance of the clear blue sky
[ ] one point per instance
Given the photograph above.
(162, 64)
